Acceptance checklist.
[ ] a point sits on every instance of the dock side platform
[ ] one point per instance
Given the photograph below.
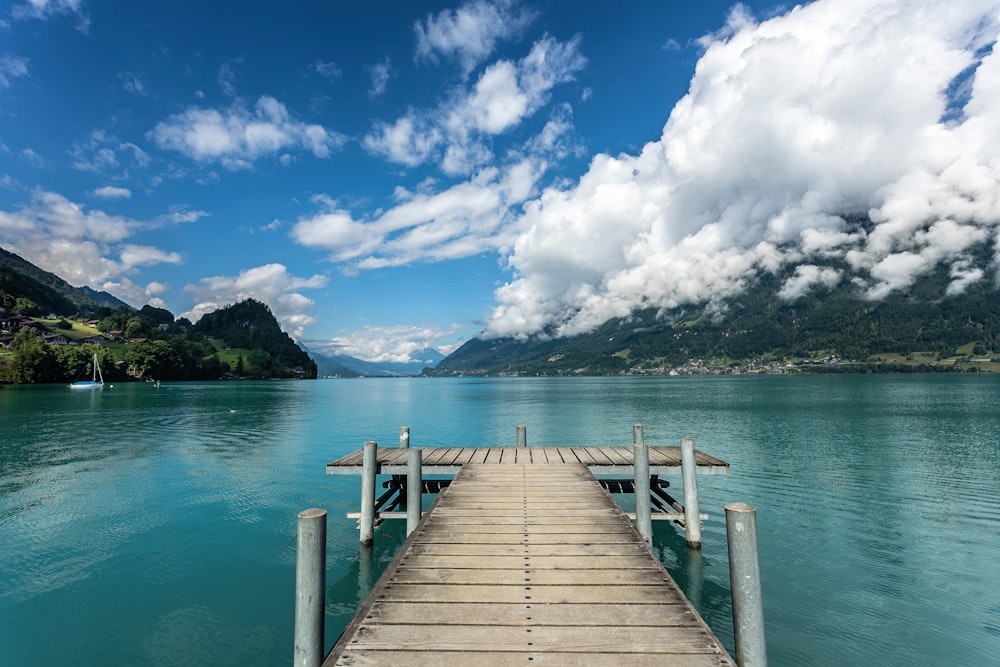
(520, 562)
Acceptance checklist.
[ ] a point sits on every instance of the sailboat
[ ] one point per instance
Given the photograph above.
(95, 382)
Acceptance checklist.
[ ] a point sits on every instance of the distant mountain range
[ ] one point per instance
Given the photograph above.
(341, 365)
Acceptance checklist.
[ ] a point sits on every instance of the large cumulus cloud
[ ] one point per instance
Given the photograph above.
(792, 128)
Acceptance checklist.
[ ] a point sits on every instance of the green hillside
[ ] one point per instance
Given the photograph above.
(57, 344)
(828, 330)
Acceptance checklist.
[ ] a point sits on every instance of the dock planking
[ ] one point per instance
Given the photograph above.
(600, 460)
(526, 562)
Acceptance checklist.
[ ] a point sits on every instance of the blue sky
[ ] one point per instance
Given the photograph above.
(394, 176)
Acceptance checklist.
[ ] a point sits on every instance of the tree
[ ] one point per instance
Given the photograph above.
(31, 359)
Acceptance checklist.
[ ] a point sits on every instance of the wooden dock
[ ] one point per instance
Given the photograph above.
(525, 558)
(599, 460)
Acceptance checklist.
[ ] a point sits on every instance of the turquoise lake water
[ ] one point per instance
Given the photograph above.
(157, 526)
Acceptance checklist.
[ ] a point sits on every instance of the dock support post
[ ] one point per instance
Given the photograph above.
(692, 519)
(310, 588)
(414, 488)
(404, 437)
(522, 436)
(744, 580)
(368, 472)
(640, 467)
(637, 437)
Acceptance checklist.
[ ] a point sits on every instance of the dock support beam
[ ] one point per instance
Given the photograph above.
(522, 436)
(744, 580)
(368, 472)
(414, 487)
(404, 437)
(310, 588)
(643, 518)
(692, 519)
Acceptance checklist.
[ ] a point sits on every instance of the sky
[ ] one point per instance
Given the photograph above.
(389, 177)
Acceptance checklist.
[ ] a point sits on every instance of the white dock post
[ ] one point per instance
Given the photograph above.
(744, 580)
(368, 472)
(310, 588)
(637, 437)
(640, 467)
(692, 519)
(414, 489)
(404, 437)
(522, 436)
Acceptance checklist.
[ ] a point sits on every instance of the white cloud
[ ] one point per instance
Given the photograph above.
(227, 79)
(833, 109)
(271, 284)
(32, 158)
(237, 136)
(805, 278)
(327, 70)
(82, 247)
(112, 192)
(402, 343)
(458, 131)
(134, 84)
(380, 72)
(102, 153)
(135, 294)
(465, 219)
(12, 67)
(469, 34)
(45, 9)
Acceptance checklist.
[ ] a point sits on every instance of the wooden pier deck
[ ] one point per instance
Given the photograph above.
(526, 561)
(599, 460)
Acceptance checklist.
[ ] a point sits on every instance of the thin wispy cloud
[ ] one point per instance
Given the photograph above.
(11, 68)
(468, 35)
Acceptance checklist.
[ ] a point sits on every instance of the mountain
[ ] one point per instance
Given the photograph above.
(43, 292)
(923, 328)
(250, 324)
(353, 367)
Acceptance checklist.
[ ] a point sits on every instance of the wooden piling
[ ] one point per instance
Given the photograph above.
(310, 588)
(369, 470)
(404, 437)
(744, 581)
(692, 519)
(414, 488)
(643, 518)
(522, 436)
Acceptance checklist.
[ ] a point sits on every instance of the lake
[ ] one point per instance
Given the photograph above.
(157, 525)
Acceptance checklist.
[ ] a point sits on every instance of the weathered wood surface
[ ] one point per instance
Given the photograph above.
(600, 460)
(541, 577)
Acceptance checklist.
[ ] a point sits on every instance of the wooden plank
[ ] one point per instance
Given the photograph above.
(541, 638)
(413, 574)
(659, 456)
(619, 455)
(493, 550)
(436, 658)
(459, 613)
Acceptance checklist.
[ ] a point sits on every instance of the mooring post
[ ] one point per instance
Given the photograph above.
(522, 436)
(368, 472)
(637, 437)
(640, 467)
(310, 588)
(404, 437)
(414, 489)
(692, 519)
(744, 580)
